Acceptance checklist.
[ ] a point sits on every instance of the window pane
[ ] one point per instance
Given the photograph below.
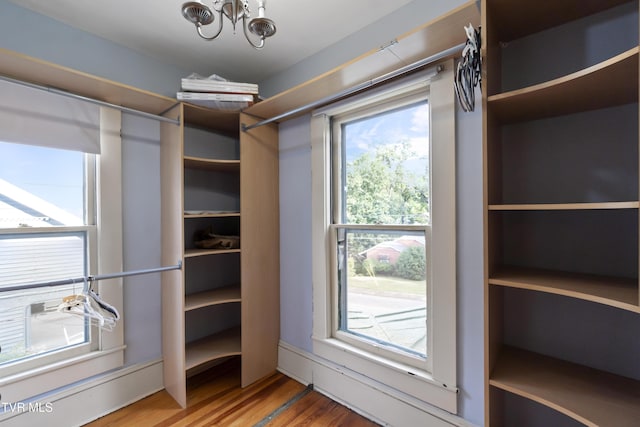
(31, 323)
(40, 187)
(385, 167)
(383, 287)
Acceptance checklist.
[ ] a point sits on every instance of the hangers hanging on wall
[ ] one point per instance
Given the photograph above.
(468, 73)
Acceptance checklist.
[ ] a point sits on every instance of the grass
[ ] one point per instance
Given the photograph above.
(388, 284)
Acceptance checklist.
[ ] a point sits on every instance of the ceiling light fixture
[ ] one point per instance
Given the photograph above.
(235, 10)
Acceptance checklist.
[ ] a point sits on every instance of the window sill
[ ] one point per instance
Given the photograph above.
(26, 385)
(405, 382)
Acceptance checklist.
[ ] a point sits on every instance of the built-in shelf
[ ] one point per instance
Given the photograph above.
(211, 164)
(209, 214)
(203, 252)
(613, 291)
(219, 120)
(564, 206)
(607, 84)
(590, 396)
(33, 70)
(552, 202)
(225, 295)
(223, 344)
(518, 19)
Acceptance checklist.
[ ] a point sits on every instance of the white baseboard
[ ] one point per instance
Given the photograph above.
(359, 393)
(86, 401)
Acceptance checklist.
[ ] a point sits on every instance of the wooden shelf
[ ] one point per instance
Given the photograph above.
(33, 70)
(607, 84)
(212, 164)
(564, 206)
(210, 214)
(518, 19)
(218, 346)
(225, 295)
(613, 291)
(227, 122)
(590, 396)
(527, 229)
(189, 253)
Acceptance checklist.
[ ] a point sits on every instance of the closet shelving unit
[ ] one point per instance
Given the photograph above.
(540, 204)
(255, 336)
(227, 342)
(218, 306)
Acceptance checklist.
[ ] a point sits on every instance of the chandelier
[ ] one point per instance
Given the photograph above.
(235, 10)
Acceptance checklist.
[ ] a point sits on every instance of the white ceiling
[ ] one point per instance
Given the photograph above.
(157, 28)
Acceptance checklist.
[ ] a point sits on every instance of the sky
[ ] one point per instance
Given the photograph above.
(53, 175)
(410, 124)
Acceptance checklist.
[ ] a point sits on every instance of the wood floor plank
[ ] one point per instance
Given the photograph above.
(215, 398)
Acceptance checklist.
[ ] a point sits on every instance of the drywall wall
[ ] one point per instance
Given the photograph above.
(39, 36)
(141, 237)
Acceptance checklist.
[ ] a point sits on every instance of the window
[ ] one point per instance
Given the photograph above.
(60, 219)
(380, 219)
(47, 233)
(384, 235)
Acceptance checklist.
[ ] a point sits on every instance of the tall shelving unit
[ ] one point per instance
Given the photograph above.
(209, 183)
(560, 134)
(238, 286)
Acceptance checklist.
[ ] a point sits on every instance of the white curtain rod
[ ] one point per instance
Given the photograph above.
(369, 83)
(90, 278)
(91, 100)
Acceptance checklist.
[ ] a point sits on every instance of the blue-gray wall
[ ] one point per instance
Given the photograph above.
(141, 237)
(36, 35)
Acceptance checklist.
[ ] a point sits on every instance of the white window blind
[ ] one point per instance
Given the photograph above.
(36, 117)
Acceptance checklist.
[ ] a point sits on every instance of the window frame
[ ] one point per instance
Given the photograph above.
(436, 383)
(40, 374)
(377, 104)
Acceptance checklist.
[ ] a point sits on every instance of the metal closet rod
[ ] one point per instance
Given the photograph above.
(91, 278)
(90, 100)
(352, 90)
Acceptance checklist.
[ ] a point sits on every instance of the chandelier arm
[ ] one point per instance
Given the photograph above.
(246, 35)
(217, 33)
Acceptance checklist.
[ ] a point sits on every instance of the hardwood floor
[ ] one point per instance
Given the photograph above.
(214, 398)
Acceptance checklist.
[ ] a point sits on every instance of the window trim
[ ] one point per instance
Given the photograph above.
(109, 351)
(437, 387)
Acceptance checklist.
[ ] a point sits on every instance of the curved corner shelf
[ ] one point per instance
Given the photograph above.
(518, 19)
(189, 253)
(216, 120)
(214, 165)
(613, 291)
(209, 214)
(607, 84)
(224, 295)
(564, 206)
(223, 344)
(569, 388)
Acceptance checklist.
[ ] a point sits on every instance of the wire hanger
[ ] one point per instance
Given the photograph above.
(90, 305)
(468, 73)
